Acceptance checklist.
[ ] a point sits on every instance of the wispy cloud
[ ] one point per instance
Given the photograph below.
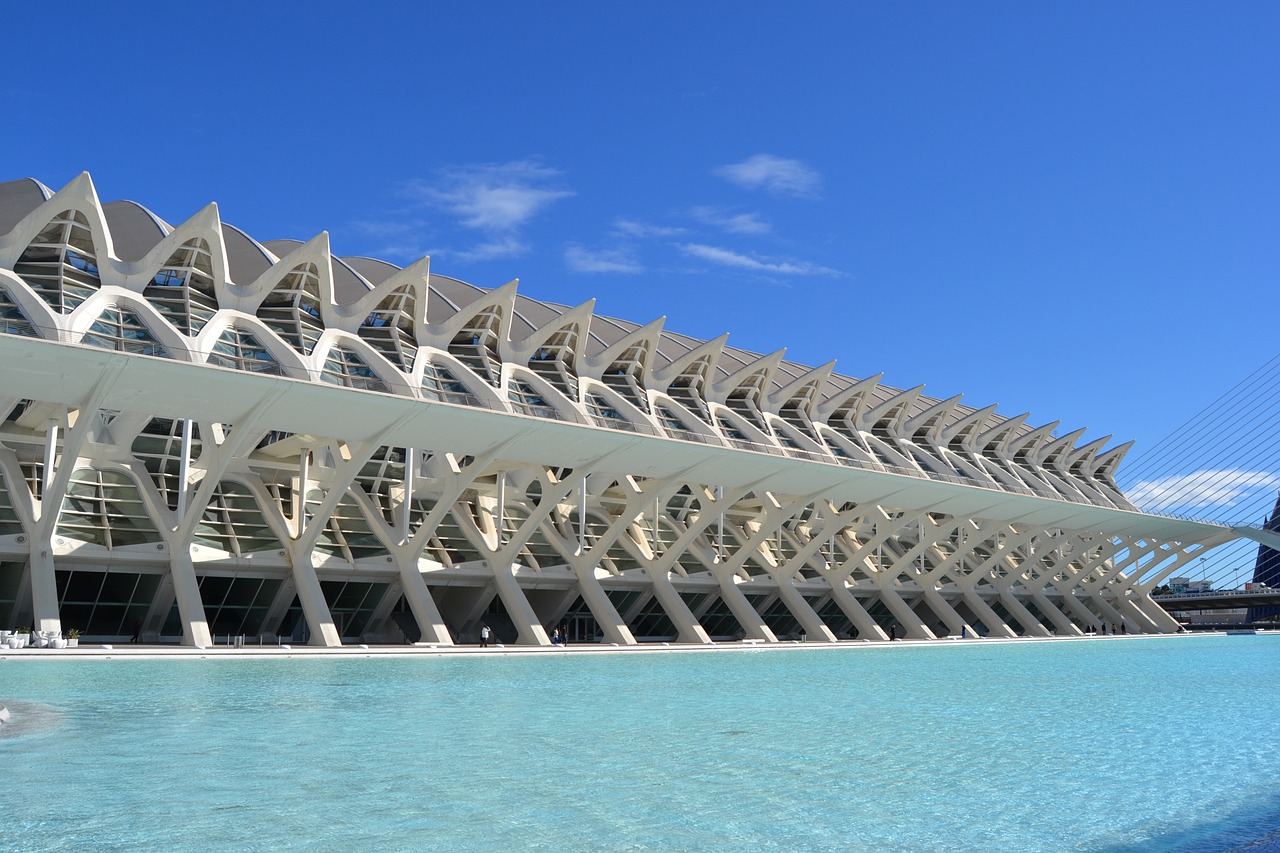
(738, 260)
(498, 199)
(1202, 489)
(493, 196)
(643, 230)
(502, 246)
(583, 260)
(777, 175)
(732, 223)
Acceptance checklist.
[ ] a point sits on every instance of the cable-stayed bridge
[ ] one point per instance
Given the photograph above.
(1222, 467)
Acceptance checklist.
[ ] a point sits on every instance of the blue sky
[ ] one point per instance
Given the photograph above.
(1066, 208)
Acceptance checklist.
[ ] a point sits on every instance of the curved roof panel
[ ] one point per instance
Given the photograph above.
(372, 270)
(134, 229)
(532, 315)
(448, 295)
(18, 198)
(348, 285)
(246, 257)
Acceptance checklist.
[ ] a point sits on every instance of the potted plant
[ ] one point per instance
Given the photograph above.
(73, 638)
(24, 637)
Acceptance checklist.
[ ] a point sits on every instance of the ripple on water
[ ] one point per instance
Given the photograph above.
(1142, 746)
(28, 718)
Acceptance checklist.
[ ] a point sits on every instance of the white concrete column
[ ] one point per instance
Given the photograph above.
(44, 590)
(1031, 626)
(911, 623)
(602, 610)
(994, 624)
(184, 469)
(50, 458)
(314, 607)
(421, 604)
(186, 589)
(1163, 620)
(815, 629)
(1110, 614)
(752, 623)
(1076, 606)
(687, 626)
(852, 608)
(954, 621)
(1061, 623)
(528, 629)
(1134, 619)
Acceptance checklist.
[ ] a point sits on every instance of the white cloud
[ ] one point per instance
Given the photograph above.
(733, 223)
(774, 174)
(494, 197)
(632, 228)
(1202, 489)
(737, 260)
(504, 246)
(580, 259)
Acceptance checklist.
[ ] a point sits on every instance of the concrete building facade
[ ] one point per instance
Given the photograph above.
(207, 435)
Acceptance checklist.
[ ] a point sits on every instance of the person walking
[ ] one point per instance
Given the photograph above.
(484, 636)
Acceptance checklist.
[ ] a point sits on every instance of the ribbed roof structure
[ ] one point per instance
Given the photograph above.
(308, 371)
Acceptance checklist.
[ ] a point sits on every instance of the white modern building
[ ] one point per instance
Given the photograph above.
(204, 435)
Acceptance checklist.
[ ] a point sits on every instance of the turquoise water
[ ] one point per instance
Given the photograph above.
(1103, 745)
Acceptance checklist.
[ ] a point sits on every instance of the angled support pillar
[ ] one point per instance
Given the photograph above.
(602, 609)
(1096, 576)
(688, 630)
(186, 589)
(970, 576)
(44, 589)
(44, 584)
(421, 604)
(1110, 614)
(314, 607)
(991, 619)
(853, 609)
(688, 627)
(725, 571)
(1135, 619)
(907, 618)
(784, 569)
(408, 548)
(529, 631)
(928, 578)
(1162, 619)
(753, 625)
(1061, 623)
(814, 627)
(954, 621)
(1031, 626)
(1083, 613)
